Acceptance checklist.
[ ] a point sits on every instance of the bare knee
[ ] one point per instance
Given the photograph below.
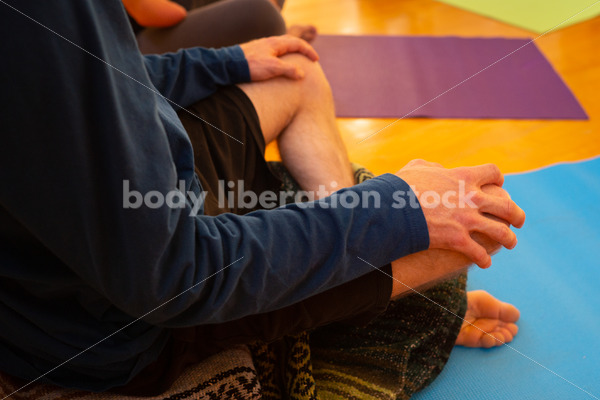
(314, 84)
(278, 101)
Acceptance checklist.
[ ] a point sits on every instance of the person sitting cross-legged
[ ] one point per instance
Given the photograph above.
(120, 248)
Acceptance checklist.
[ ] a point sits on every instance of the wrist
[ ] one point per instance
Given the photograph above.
(236, 63)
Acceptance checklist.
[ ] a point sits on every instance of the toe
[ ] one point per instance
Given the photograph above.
(509, 313)
(488, 341)
(506, 334)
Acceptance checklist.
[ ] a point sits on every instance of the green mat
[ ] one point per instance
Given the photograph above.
(534, 15)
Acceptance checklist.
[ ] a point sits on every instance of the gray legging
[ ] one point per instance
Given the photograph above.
(211, 23)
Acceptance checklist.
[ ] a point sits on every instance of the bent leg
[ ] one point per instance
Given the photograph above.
(354, 303)
(299, 114)
(223, 23)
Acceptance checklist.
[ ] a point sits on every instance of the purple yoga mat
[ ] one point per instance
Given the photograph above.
(391, 76)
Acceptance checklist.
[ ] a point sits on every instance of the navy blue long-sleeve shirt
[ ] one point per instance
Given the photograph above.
(81, 112)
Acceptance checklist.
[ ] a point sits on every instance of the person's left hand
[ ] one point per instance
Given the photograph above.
(263, 56)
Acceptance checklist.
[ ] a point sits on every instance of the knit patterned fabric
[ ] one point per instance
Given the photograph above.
(397, 354)
(284, 368)
(227, 375)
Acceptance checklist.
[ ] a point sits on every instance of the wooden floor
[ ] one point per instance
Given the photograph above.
(515, 145)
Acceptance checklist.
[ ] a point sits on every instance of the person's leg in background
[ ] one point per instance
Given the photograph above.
(220, 23)
(154, 13)
(304, 31)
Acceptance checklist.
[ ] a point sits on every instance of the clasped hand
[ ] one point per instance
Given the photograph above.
(452, 225)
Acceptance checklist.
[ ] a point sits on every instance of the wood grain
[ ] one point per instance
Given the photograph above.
(515, 145)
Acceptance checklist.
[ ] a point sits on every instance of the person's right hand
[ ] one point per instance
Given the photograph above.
(264, 57)
(453, 220)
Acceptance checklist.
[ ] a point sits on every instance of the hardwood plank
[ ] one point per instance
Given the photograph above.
(515, 145)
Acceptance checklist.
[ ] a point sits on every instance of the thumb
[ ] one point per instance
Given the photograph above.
(290, 70)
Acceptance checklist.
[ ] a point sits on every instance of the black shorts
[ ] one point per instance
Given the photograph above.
(229, 148)
(235, 151)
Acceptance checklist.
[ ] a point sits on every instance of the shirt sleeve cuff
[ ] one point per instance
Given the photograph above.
(406, 201)
(237, 65)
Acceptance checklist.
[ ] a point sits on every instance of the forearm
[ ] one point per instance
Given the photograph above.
(190, 75)
(285, 255)
(420, 271)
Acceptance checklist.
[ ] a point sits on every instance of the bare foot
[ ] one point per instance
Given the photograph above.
(306, 32)
(494, 318)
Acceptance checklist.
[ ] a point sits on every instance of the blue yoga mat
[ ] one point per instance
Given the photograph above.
(553, 277)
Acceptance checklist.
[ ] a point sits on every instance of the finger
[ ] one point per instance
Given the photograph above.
(486, 174)
(417, 162)
(503, 208)
(291, 44)
(475, 252)
(288, 70)
(494, 218)
(497, 231)
(495, 190)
